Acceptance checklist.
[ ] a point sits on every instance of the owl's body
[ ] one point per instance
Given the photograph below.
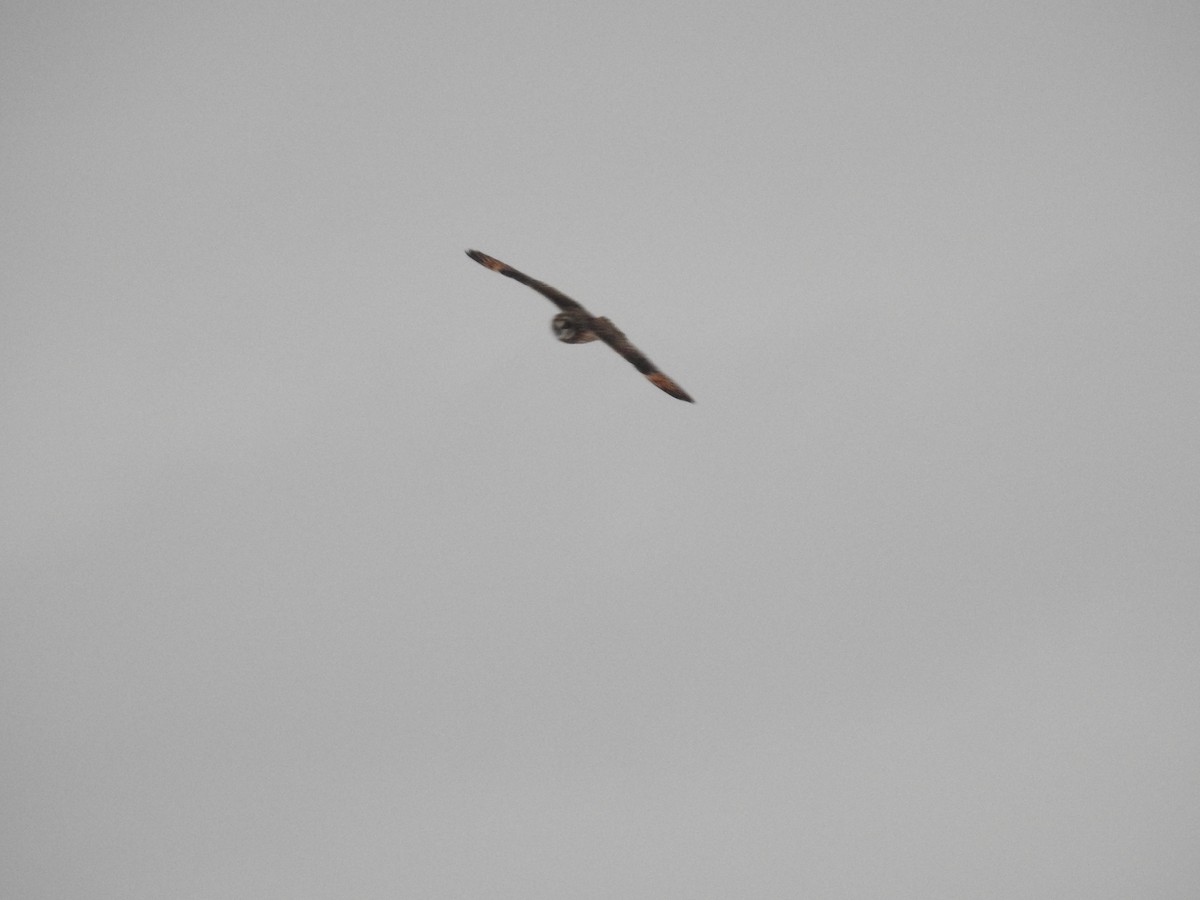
(572, 329)
(575, 325)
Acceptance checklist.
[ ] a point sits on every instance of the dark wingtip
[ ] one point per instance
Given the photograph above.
(666, 385)
(484, 260)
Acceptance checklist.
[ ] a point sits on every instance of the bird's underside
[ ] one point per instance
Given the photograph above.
(575, 325)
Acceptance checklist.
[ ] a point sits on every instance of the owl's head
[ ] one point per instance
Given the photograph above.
(572, 329)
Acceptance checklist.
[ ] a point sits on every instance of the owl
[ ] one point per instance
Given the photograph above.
(575, 325)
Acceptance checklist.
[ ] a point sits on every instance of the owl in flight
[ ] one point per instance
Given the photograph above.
(575, 325)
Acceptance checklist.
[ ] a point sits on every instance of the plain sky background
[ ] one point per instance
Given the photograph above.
(328, 573)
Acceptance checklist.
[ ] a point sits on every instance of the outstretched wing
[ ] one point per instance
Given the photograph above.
(615, 338)
(602, 327)
(557, 297)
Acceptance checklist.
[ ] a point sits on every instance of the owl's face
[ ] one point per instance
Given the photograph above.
(572, 329)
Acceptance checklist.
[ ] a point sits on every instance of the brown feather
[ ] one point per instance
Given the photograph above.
(600, 327)
(557, 297)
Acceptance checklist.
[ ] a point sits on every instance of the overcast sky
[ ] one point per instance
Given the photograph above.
(328, 573)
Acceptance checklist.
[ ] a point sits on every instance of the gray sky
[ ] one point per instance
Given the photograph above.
(328, 573)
